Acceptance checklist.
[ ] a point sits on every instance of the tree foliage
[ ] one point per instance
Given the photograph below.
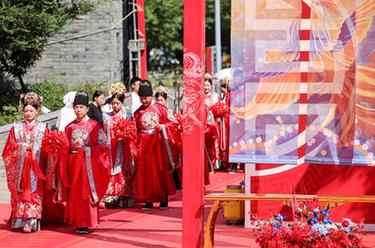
(26, 25)
(225, 13)
(164, 25)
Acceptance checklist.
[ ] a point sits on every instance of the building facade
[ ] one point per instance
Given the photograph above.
(90, 49)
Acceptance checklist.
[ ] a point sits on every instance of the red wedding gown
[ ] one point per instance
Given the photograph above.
(222, 123)
(23, 161)
(210, 143)
(55, 187)
(119, 192)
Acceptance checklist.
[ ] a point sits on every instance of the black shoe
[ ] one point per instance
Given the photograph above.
(233, 170)
(123, 202)
(130, 202)
(223, 166)
(147, 206)
(82, 230)
(163, 205)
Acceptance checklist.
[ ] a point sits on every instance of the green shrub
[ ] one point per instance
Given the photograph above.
(166, 77)
(90, 88)
(9, 92)
(9, 114)
(52, 93)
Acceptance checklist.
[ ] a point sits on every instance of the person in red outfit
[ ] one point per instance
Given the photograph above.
(153, 179)
(210, 97)
(57, 181)
(161, 97)
(88, 167)
(210, 142)
(223, 123)
(119, 192)
(23, 161)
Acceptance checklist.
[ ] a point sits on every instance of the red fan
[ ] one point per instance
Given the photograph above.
(125, 129)
(220, 109)
(55, 142)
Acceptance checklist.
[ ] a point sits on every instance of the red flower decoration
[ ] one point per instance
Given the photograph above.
(125, 129)
(304, 232)
(55, 142)
(220, 109)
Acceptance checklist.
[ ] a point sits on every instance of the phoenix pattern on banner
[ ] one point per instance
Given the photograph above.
(303, 87)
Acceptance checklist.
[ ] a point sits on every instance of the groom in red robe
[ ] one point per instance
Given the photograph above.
(154, 179)
(88, 167)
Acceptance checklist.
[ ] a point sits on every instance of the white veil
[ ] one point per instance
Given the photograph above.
(67, 114)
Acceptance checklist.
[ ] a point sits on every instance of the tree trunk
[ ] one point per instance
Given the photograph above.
(23, 85)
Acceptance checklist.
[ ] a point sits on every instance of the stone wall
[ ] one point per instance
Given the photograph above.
(95, 58)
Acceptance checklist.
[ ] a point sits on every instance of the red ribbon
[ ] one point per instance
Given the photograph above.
(80, 173)
(59, 164)
(29, 164)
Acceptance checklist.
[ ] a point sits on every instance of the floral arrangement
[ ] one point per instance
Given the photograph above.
(125, 129)
(220, 109)
(55, 142)
(161, 89)
(117, 88)
(311, 228)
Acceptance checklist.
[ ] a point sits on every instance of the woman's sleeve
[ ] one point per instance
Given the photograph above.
(10, 157)
(100, 162)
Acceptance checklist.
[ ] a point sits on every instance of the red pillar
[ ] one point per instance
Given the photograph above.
(208, 60)
(142, 36)
(193, 145)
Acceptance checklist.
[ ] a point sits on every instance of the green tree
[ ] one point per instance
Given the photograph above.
(164, 25)
(26, 25)
(225, 13)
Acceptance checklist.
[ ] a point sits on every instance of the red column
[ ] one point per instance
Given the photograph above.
(142, 36)
(208, 63)
(193, 145)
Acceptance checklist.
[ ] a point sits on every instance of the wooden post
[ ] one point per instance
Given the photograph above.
(193, 135)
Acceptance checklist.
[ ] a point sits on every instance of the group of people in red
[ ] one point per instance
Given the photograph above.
(67, 176)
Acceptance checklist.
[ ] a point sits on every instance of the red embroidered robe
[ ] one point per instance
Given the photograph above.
(153, 179)
(223, 132)
(210, 140)
(122, 159)
(89, 172)
(23, 161)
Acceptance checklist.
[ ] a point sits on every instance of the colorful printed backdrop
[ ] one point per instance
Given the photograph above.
(303, 87)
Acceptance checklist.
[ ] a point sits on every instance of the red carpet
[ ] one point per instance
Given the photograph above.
(135, 228)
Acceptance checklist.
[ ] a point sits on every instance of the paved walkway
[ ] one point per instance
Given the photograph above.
(132, 227)
(4, 193)
(136, 228)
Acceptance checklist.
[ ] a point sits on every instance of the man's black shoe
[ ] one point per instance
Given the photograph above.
(82, 230)
(164, 205)
(147, 206)
(233, 170)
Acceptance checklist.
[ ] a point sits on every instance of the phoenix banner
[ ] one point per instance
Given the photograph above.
(303, 88)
